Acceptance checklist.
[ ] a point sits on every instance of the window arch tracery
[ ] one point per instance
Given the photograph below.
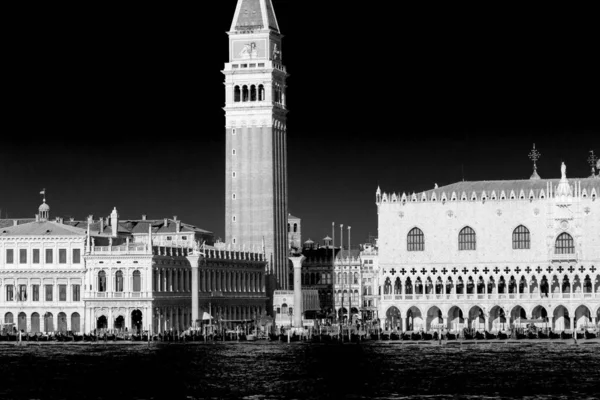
(467, 239)
(415, 240)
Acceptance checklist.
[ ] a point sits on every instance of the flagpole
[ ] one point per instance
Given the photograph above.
(351, 281)
(333, 261)
(342, 266)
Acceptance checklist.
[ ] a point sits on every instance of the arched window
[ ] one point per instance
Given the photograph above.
(253, 93)
(137, 281)
(102, 281)
(520, 238)
(245, 93)
(284, 309)
(288, 228)
(119, 281)
(356, 278)
(415, 240)
(564, 244)
(295, 228)
(236, 94)
(261, 93)
(466, 239)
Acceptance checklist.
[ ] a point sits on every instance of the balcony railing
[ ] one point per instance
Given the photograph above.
(118, 295)
(564, 257)
(493, 296)
(124, 249)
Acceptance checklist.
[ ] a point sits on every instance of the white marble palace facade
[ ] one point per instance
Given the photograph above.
(489, 254)
(119, 275)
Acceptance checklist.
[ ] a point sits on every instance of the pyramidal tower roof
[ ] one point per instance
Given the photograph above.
(251, 15)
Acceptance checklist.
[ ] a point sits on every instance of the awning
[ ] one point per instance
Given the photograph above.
(310, 300)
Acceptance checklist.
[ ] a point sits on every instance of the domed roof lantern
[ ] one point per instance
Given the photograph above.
(44, 208)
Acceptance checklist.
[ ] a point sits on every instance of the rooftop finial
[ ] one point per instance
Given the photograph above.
(44, 209)
(534, 155)
(593, 161)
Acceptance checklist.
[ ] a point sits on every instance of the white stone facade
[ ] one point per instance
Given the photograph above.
(486, 255)
(41, 278)
(347, 285)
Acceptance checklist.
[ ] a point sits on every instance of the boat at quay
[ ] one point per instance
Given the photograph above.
(337, 336)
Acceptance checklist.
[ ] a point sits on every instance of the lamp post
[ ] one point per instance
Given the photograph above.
(291, 313)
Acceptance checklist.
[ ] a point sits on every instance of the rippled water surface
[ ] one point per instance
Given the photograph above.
(265, 370)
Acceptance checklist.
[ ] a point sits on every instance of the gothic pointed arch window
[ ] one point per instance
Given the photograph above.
(415, 240)
(521, 238)
(564, 244)
(467, 239)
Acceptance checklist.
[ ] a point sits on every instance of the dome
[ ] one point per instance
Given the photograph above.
(44, 207)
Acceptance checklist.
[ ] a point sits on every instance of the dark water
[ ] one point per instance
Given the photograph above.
(264, 370)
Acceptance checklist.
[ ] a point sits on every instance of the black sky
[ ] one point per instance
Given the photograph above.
(123, 107)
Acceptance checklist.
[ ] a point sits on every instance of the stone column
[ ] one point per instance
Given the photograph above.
(193, 260)
(403, 324)
(298, 307)
(572, 321)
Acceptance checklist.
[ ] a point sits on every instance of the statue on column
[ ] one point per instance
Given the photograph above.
(563, 171)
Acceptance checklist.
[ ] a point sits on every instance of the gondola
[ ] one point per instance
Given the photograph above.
(589, 335)
(541, 335)
(502, 336)
(564, 335)
(394, 336)
(489, 335)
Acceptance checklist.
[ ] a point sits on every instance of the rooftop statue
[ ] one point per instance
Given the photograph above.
(563, 171)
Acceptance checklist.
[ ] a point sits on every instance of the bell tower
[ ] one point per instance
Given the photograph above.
(256, 155)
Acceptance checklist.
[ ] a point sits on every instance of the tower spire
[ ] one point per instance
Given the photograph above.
(534, 155)
(254, 15)
(593, 161)
(256, 212)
